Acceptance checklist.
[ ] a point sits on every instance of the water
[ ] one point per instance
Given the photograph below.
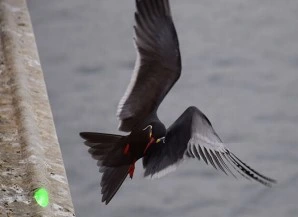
(240, 67)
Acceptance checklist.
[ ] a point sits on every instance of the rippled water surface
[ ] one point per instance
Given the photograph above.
(240, 67)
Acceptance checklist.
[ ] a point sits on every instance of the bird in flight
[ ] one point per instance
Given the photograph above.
(157, 68)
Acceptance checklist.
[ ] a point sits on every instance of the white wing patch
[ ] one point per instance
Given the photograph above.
(204, 141)
(214, 152)
(164, 172)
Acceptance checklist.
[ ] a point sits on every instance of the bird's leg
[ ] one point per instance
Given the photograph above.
(131, 169)
(126, 149)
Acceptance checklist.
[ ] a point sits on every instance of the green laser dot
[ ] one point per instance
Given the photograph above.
(41, 196)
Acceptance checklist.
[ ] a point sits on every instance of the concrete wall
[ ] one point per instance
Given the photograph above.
(30, 155)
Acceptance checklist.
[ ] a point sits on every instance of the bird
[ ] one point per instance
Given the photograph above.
(157, 68)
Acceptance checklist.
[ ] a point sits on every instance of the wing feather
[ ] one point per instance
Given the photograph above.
(192, 136)
(158, 63)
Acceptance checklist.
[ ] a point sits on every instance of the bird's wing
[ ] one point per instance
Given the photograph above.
(158, 64)
(192, 136)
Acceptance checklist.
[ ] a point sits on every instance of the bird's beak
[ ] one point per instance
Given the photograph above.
(152, 140)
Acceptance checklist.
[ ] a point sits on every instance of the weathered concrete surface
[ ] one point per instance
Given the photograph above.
(30, 155)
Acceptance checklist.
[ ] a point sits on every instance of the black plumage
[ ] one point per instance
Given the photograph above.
(158, 64)
(157, 68)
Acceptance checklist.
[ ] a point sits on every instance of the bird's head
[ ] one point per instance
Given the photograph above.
(156, 131)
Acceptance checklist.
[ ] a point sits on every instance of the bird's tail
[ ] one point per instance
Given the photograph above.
(111, 181)
(108, 150)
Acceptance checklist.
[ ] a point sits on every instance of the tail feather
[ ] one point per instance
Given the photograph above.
(111, 181)
(107, 149)
(99, 151)
(100, 137)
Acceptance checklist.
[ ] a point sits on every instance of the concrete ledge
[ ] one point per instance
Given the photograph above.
(30, 155)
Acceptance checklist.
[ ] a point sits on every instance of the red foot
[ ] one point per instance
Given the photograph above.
(126, 149)
(131, 170)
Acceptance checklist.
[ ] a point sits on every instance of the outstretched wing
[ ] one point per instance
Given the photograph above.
(158, 64)
(192, 136)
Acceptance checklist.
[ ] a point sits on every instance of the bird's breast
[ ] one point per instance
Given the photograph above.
(138, 144)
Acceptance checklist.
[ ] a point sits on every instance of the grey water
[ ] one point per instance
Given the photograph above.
(240, 67)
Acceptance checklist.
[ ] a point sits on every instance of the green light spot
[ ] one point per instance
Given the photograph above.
(41, 196)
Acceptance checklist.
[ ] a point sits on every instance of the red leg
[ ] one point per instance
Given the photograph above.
(131, 170)
(126, 149)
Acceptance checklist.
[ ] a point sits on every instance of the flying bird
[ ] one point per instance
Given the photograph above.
(157, 68)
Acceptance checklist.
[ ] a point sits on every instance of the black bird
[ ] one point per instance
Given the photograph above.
(157, 68)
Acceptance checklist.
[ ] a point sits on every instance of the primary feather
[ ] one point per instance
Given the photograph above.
(192, 136)
(158, 64)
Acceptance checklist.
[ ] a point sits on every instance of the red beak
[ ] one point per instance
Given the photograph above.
(152, 140)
